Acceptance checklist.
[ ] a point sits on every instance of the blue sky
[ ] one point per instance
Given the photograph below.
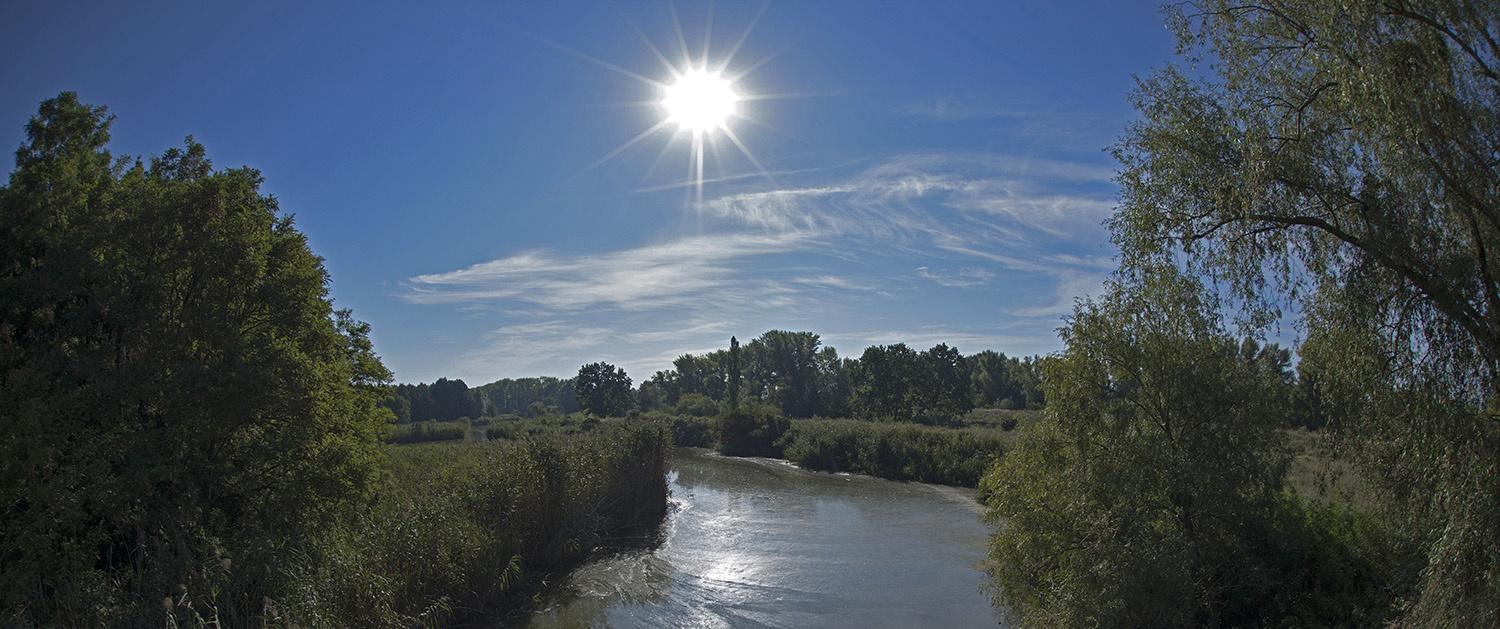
(922, 172)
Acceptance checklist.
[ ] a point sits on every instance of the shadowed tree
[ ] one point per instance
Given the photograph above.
(1341, 158)
(734, 374)
(1144, 496)
(603, 390)
(176, 389)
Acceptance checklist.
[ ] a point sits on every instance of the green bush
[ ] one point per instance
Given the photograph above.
(752, 431)
(689, 431)
(697, 405)
(897, 451)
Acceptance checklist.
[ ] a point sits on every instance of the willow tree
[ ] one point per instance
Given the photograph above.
(1341, 162)
(1146, 496)
(180, 405)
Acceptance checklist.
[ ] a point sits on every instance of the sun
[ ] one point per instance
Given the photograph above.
(700, 101)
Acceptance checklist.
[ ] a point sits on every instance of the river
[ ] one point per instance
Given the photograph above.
(762, 543)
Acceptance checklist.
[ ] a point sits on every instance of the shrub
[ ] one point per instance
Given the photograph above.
(898, 451)
(697, 405)
(752, 431)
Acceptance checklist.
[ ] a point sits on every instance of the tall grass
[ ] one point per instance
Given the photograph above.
(456, 528)
(420, 432)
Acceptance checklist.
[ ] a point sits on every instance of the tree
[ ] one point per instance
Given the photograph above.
(885, 378)
(1341, 159)
(734, 374)
(785, 365)
(1144, 496)
(603, 390)
(176, 389)
(399, 406)
(452, 399)
(944, 388)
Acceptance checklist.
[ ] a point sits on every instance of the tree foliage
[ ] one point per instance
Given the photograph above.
(603, 390)
(896, 382)
(1341, 159)
(1006, 382)
(516, 396)
(1144, 495)
(175, 386)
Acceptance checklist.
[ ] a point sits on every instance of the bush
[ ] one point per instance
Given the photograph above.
(688, 431)
(752, 431)
(697, 405)
(897, 451)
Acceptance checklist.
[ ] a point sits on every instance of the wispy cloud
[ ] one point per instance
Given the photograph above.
(672, 274)
(961, 278)
(828, 253)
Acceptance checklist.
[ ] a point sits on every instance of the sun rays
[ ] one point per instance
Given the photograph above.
(700, 102)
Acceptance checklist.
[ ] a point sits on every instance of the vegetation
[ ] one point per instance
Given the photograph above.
(457, 529)
(176, 389)
(897, 451)
(603, 390)
(893, 382)
(1335, 163)
(445, 401)
(191, 434)
(752, 431)
(523, 395)
(416, 432)
(788, 370)
(1151, 493)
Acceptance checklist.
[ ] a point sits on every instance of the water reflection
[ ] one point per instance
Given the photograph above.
(760, 543)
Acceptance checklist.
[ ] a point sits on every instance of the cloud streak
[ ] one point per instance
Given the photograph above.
(837, 251)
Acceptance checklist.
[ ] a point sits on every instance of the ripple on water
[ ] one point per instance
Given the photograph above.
(761, 543)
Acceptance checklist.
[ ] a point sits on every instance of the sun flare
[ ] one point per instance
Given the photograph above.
(700, 101)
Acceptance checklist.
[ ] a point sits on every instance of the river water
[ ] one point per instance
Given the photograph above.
(762, 543)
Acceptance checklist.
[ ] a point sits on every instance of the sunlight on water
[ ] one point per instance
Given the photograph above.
(760, 543)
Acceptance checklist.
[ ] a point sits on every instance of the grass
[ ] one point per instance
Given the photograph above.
(422, 432)
(1319, 474)
(898, 451)
(457, 529)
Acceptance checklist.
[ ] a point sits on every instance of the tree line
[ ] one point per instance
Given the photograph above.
(790, 371)
(794, 373)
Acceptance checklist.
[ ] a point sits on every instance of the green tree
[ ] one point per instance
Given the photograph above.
(785, 366)
(1340, 157)
(399, 406)
(734, 374)
(944, 391)
(1144, 495)
(177, 394)
(884, 380)
(604, 390)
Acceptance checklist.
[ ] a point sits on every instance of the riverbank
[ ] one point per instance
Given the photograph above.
(955, 455)
(760, 542)
(457, 529)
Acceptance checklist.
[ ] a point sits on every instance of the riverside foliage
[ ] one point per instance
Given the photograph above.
(457, 528)
(190, 434)
(1337, 163)
(181, 408)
